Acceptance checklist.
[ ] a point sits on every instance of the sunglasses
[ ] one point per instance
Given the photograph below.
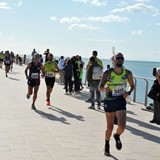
(120, 58)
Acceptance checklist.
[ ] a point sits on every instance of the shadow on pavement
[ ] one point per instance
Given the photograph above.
(52, 117)
(15, 79)
(145, 135)
(68, 114)
(83, 95)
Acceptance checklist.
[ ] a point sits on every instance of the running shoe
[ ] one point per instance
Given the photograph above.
(118, 141)
(153, 121)
(91, 107)
(33, 107)
(28, 96)
(48, 103)
(107, 149)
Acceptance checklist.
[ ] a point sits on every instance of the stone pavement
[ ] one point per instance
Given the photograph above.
(67, 130)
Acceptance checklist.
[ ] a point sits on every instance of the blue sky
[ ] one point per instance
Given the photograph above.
(71, 27)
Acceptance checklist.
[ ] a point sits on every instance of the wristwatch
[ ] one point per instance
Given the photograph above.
(129, 92)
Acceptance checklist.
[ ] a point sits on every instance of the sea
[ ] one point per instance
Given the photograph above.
(141, 70)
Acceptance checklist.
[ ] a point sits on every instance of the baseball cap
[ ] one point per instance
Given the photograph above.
(118, 54)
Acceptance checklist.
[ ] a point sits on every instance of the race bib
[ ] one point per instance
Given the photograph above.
(34, 75)
(118, 90)
(50, 74)
(7, 62)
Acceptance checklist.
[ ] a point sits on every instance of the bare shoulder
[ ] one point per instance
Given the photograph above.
(28, 66)
(128, 72)
(104, 78)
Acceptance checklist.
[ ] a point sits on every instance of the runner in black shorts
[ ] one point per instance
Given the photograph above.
(114, 83)
(50, 68)
(34, 78)
(7, 62)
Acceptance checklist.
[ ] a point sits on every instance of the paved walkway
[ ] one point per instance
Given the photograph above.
(67, 130)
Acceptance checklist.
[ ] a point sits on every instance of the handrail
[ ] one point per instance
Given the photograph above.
(147, 85)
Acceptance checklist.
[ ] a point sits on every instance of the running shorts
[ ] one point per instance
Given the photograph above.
(33, 82)
(115, 105)
(50, 81)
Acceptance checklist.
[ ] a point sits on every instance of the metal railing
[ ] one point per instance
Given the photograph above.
(142, 87)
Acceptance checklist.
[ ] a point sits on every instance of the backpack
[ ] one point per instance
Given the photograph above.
(97, 73)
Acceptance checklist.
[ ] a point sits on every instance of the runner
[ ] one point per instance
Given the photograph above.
(12, 60)
(116, 80)
(50, 68)
(1, 59)
(7, 62)
(34, 78)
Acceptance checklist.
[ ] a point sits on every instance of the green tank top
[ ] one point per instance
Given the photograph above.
(1, 56)
(117, 83)
(50, 69)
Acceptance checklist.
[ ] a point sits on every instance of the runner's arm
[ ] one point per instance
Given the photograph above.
(26, 70)
(43, 71)
(57, 68)
(130, 82)
(103, 81)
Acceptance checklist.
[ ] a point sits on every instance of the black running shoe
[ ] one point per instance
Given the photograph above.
(33, 107)
(106, 150)
(118, 141)
(153, 121)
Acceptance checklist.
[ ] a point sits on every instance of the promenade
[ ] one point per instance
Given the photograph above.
(67, 130)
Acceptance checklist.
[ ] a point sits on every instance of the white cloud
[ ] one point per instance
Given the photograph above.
(158, 24)
(106, 40)
(19, 3)
(109, 18)
(104, 19)
(139, 7)
(70, 20)
(122, 3)
(53, 18)
(97, 3)
(4, 5)
(143, 1)
(137, 32)
(82, 27)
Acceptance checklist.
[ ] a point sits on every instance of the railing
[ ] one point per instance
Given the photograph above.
(142, 87)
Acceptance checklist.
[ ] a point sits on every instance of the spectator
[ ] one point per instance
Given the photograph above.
(46, 54)
(61, 66)
(24, 59)
(155, 95)
(33, 53)
(68, 72)
(94, 76)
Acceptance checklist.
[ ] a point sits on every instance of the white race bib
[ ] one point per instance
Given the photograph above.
(50, 74)
(34, 75)
(118, 90)
(7, 62)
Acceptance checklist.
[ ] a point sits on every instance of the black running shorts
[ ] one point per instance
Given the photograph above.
(115, 105)
(50, 81)
(33, 82)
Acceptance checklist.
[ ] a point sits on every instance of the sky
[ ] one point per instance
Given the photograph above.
(77, 27)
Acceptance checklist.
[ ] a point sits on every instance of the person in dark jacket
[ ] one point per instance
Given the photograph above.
(68, 73)
(155, 95)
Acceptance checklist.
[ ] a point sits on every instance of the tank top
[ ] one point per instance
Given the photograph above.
(34, 72)
(50, 69)
(7, 60)
(117, 83)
